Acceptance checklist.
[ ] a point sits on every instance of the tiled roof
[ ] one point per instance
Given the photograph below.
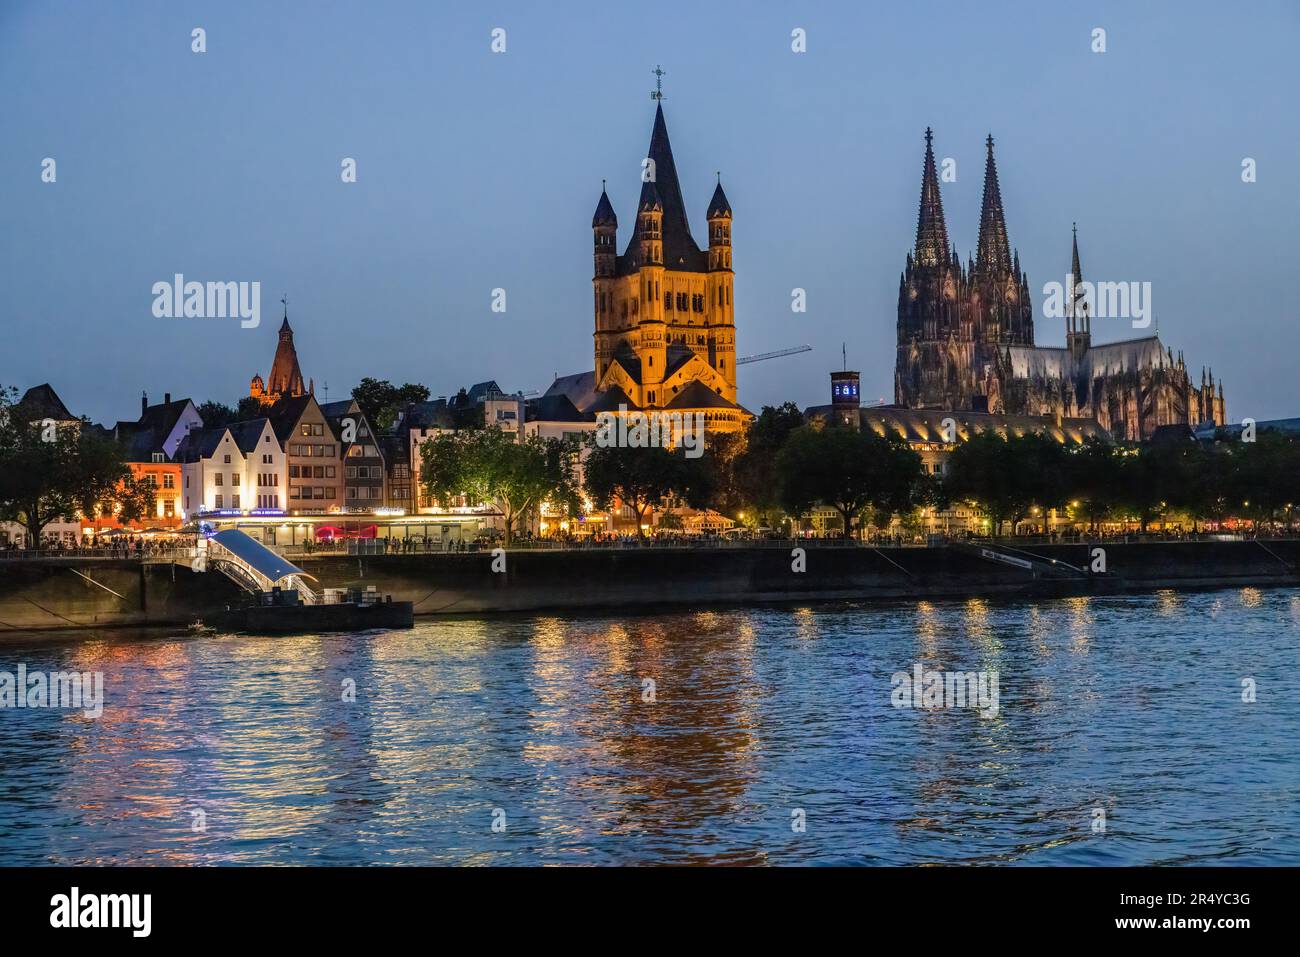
(697, 395)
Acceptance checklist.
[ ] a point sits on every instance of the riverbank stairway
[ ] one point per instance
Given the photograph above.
(1038, 566)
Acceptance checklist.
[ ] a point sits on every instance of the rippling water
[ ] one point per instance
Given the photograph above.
(761, 718)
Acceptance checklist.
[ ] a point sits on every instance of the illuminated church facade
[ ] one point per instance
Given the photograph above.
(664, 308)
(966, 338)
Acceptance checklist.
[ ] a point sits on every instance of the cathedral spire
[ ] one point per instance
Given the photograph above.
(993, 256)
(931, 232)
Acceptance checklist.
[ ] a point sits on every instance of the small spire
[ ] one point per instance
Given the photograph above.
(604, 215)
(718, 206)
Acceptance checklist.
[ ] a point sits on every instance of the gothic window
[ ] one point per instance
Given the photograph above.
(668, 301)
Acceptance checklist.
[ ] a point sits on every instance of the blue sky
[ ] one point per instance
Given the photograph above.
(479, 170)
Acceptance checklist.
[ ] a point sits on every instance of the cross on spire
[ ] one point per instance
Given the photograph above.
(285, 299)
(658, 92)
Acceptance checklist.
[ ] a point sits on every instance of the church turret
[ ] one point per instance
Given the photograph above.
(719, 216)
(650, 226)
(604, 228)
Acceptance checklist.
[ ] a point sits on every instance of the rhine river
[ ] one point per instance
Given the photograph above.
(735, 736)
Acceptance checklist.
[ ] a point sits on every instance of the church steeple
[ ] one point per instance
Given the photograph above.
(286, 376)
(1078, 323)
(680, 250)
(993, 255)
(931, 231)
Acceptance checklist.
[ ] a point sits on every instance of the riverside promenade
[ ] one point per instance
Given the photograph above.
(53, 591)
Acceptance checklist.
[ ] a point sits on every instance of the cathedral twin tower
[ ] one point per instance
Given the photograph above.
(966, 337)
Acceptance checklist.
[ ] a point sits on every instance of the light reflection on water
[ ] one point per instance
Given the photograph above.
(1131, 704)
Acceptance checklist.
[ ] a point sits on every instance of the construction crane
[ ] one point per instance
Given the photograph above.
(745, 360)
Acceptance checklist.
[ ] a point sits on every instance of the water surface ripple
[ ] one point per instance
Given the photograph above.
(1128, 704)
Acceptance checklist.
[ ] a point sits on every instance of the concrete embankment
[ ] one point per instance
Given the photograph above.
(61, 594)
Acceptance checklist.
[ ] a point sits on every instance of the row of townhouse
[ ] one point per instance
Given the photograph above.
(302, 458)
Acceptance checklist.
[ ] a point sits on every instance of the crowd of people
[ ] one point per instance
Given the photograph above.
(107, 546)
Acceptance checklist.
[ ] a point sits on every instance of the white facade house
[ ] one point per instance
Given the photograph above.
(212, 472)
(240, 467)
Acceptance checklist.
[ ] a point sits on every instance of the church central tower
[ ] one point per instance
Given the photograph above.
(664, 315)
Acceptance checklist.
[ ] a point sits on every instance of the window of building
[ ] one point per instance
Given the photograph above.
(329, 471)
(219, 480)
(217, 500)
(234, 501)
(227, 460)
(169, 481)
(159, 457)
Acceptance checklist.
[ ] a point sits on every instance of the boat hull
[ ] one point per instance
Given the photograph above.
(300, 619)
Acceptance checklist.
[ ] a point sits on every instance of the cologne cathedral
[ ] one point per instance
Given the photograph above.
(966, 338)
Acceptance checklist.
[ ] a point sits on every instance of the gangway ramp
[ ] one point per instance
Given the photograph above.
(254, 567)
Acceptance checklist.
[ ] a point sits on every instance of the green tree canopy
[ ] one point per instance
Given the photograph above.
(380, 400)
(48, 471)
(642, 478)
(487, 465)
(849, 470)
(1007, 476)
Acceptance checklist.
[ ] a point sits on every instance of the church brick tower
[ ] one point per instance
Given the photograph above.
(285, 380)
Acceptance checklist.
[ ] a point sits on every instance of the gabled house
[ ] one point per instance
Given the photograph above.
(212, 472)
(362, 455)
(264, 464)
(233, 468)
(313, 462)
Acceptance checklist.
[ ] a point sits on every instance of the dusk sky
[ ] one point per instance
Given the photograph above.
(478, 170)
